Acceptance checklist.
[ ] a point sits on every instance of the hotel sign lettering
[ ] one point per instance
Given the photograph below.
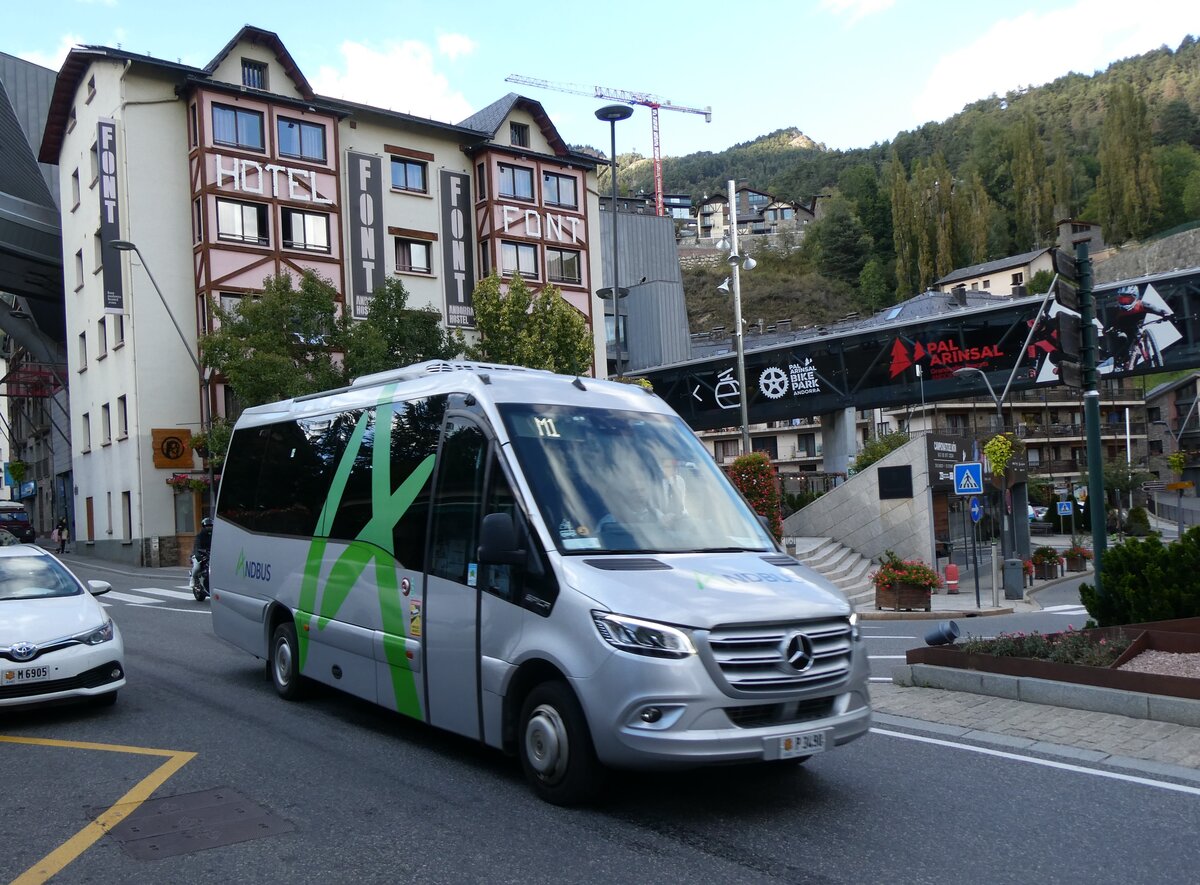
(458, 266)
(561, 228)
(365, 216)
(110, 215)
(263, 179)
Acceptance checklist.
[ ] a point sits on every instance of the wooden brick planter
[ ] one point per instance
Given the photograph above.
(906, 597)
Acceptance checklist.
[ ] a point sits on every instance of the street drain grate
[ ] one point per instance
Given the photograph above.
(191, 822)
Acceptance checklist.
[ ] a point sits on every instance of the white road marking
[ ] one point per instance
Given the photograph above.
(1065, 610)
(889, 637)
(1047, 763)
(886, 657)
(159, 591)
(132, 600)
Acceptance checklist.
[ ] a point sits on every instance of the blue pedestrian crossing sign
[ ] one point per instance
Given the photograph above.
(976, 510)
(968, 478)
(1064, 508)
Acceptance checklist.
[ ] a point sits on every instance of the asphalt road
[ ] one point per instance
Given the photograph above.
(334, 790)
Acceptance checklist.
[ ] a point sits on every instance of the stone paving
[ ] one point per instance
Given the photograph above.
(1161, 747)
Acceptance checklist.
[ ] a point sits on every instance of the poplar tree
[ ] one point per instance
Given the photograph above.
(1032, 199)
(1127, 192)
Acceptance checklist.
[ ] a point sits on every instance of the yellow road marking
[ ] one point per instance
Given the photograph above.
(53, 862)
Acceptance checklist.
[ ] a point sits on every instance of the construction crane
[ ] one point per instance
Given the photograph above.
(622, 95)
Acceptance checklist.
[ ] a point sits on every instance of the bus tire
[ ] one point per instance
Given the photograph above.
(555, 746)
(285, 663)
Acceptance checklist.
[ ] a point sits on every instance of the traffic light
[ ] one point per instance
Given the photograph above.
(1066, 287)
(1070, 349)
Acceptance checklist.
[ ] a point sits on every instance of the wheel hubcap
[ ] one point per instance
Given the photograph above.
(546, 743)
(283, 662)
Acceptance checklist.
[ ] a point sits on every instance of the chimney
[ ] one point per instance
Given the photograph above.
(960, 295)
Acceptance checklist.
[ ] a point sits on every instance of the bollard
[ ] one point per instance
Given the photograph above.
(943, 634)
(951, 578)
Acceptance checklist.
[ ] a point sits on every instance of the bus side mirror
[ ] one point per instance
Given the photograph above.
(498, 541)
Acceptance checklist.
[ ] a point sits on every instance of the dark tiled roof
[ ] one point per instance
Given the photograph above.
(975, 270)
(488, 119)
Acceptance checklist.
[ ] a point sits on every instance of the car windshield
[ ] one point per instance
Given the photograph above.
(622, 482)
(34, 577)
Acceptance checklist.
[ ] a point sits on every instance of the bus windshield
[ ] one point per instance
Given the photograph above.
(611, 481)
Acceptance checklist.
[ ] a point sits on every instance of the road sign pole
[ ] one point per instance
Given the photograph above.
(975, 557)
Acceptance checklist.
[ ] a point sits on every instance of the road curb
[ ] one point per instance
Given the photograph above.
(1136, 705)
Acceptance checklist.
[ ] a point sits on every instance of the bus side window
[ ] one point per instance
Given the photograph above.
(532, 588)
(456, 505)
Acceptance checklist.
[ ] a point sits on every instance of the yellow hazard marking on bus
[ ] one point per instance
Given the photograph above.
(54, 862)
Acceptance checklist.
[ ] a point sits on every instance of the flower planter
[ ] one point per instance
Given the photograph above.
(1045, 571)
(1076, 563)
(906, 597)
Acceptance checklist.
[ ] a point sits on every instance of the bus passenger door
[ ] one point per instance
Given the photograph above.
(450, 613)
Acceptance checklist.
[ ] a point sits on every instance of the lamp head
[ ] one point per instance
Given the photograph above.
(724, 287)
(122, 245)
(614, 113)
(749, 263)
(733, 259)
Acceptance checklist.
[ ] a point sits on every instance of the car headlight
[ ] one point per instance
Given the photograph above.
(854, 628)
(103, 633)
(643, 637)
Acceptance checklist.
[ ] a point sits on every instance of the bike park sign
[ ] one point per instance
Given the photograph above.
(882, 363)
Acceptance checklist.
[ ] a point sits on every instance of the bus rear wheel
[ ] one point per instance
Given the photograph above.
(556, 749)
(285, 663)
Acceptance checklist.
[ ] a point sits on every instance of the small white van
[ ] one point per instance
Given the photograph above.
(551, 565)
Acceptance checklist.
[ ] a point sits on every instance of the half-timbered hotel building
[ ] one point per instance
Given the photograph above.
(223, 175)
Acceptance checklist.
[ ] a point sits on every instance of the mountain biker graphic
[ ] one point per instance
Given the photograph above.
(1126, 318)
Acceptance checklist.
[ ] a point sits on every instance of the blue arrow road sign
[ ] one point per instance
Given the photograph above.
(976, 510)
(968, 478)
(1064, 508)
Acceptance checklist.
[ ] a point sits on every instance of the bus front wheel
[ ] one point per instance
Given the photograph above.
(285, 662)
(556, 749)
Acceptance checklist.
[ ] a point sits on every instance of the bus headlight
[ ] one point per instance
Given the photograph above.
(643, 637)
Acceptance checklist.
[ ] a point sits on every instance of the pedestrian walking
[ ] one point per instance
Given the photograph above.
(62, 534)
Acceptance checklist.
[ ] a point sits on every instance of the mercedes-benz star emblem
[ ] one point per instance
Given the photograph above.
(799, 652)
(22, 651)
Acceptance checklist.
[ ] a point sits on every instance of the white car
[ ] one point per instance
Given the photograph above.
(56, 641)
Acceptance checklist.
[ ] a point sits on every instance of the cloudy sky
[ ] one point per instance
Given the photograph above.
(848, 73)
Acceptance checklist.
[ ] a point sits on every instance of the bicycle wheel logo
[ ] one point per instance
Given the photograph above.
(773, 382)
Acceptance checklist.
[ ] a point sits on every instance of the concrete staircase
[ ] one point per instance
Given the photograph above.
(841, 565)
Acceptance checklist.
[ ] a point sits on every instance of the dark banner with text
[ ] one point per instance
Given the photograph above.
(365, 218)
(458, 262)
(110, 216)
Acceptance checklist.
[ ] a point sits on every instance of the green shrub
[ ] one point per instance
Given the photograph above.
(876, 447)
(755, 478)
(1146, 580)
(1138, 522)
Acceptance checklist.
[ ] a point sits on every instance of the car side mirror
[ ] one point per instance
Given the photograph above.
(99, 588)
(498, 541)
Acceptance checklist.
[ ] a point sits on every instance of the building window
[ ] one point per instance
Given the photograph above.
(305, 230)
(305, 141)
(105, 425)
(559, 190)
(101, 339)
(408, 175)
(194, 124)
(412, 256)
(254, 74)
(518, 258)
(481, 182)
(74, 190)
(95, 154)
(82, 351)
(562, 265)
(78, 270)
(758, 199)
(85, 435)
(91, 89)
(727, 449)
(237, 128)
(122, 418)
(987, 284)
(519, 134)
(71, 119)
(1018, 279)
(98, 252)
(118, 329)
(516, 182)
(485, 261)
(197, 220)
(242, 222)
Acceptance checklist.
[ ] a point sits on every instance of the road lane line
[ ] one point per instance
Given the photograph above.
(886, 657)
(160, 591)
(132, 600)
(1047, 763)
(56, 860)
(889, 637)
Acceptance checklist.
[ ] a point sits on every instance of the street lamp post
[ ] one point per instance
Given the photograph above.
(614, 113)
(735, 262)
(128, 246)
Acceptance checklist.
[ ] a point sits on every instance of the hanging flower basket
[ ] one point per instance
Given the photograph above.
(1000, 450)
(188, 482)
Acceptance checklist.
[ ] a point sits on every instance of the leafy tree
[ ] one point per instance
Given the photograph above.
(1176, 165)
(755, 478)
(1177, 124)
(1039, 283)
(1127, 190)
(876, 447)
(1032, 195)
(520, 328)
(839, 243)
(873, 289)
(279, 344)
(394, 335)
